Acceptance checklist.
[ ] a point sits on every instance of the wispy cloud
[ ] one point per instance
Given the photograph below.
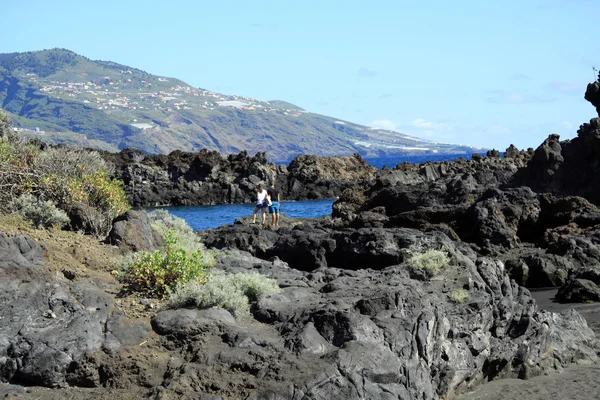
(506, 97)
(386, 96)
(421, 123)
(517, 76)
(385, 124)
(366, 73)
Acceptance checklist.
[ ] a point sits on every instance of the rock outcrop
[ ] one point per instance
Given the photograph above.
(356, 318)
(207, 178)
(46, 326)
(133, 230)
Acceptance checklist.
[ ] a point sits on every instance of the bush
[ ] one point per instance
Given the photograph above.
(71, 161)
(186, 239)
(94, 197)
(75, 180)
(458, 296)
(163, 270)
(430, 263)
(17, 175)
(41, 213)
(230, 292)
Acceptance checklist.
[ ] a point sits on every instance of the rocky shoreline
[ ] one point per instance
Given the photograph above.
(207, 178)
(354, 319)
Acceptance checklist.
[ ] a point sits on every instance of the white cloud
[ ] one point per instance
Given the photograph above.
(385, 124)
(422, 123)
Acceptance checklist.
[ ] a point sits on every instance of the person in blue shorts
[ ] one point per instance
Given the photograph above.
(275, 197)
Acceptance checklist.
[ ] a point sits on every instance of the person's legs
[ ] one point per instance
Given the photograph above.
(264, 215)
(271, 208)
(276, 213)
(254, 214)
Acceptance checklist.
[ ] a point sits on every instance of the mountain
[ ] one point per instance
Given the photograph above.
(63, 97)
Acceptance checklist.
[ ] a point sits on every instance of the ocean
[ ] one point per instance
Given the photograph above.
(207, 217)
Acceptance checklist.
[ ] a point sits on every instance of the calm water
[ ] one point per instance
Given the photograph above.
(206, 217)
(391, 162)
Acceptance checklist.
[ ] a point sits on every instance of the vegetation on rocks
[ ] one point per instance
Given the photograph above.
(182, 233)
(182, 259)
(41, 213)
(230, 292)
(74, 180)
(431, 262)
(458, 296)
(161, 270)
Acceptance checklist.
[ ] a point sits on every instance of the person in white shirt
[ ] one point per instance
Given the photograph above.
(261, 204)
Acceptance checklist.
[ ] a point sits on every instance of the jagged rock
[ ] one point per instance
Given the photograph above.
(592, 94)
(579, 290)
(370, 334)
(206, 177)
(36, 350)
(20, 252)
(134, 231)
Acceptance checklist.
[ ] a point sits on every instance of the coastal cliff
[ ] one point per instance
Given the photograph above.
(416, 287)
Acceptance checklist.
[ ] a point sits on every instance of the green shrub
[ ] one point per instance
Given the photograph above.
(94, 197)
(430, 263)
(17, 175)
(41, 213)
(162, 270)
(77, 181)
(71, 161)
(230, 292)
(186, 239)
(458, 296)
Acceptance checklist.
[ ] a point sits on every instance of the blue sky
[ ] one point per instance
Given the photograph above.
(465, 71)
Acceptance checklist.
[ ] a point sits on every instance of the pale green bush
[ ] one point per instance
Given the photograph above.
(458, 296)
(431, 263)
(230, 292)
(69, 161)
(41, 213)
(184, 235)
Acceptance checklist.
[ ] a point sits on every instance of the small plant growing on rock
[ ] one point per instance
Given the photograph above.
(163, 270)
(230, 292)
(458, 296)
(41, 213)
(429, 263)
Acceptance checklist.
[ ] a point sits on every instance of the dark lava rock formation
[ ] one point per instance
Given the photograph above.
(205, 178)
(330, 334)
(354, 319)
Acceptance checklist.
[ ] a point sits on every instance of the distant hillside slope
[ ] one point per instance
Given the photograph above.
(61, 96)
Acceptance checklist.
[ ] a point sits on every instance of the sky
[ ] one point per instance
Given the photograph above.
(474, 72)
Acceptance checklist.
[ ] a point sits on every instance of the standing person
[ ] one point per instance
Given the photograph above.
(275, 204)
(261, 203)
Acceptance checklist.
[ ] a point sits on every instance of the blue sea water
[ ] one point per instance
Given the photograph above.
(391, 162)
(206, 217)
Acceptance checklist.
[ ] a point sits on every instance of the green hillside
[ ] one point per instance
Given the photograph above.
(60, 96)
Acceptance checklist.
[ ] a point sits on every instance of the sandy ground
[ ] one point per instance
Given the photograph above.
(578, 382)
